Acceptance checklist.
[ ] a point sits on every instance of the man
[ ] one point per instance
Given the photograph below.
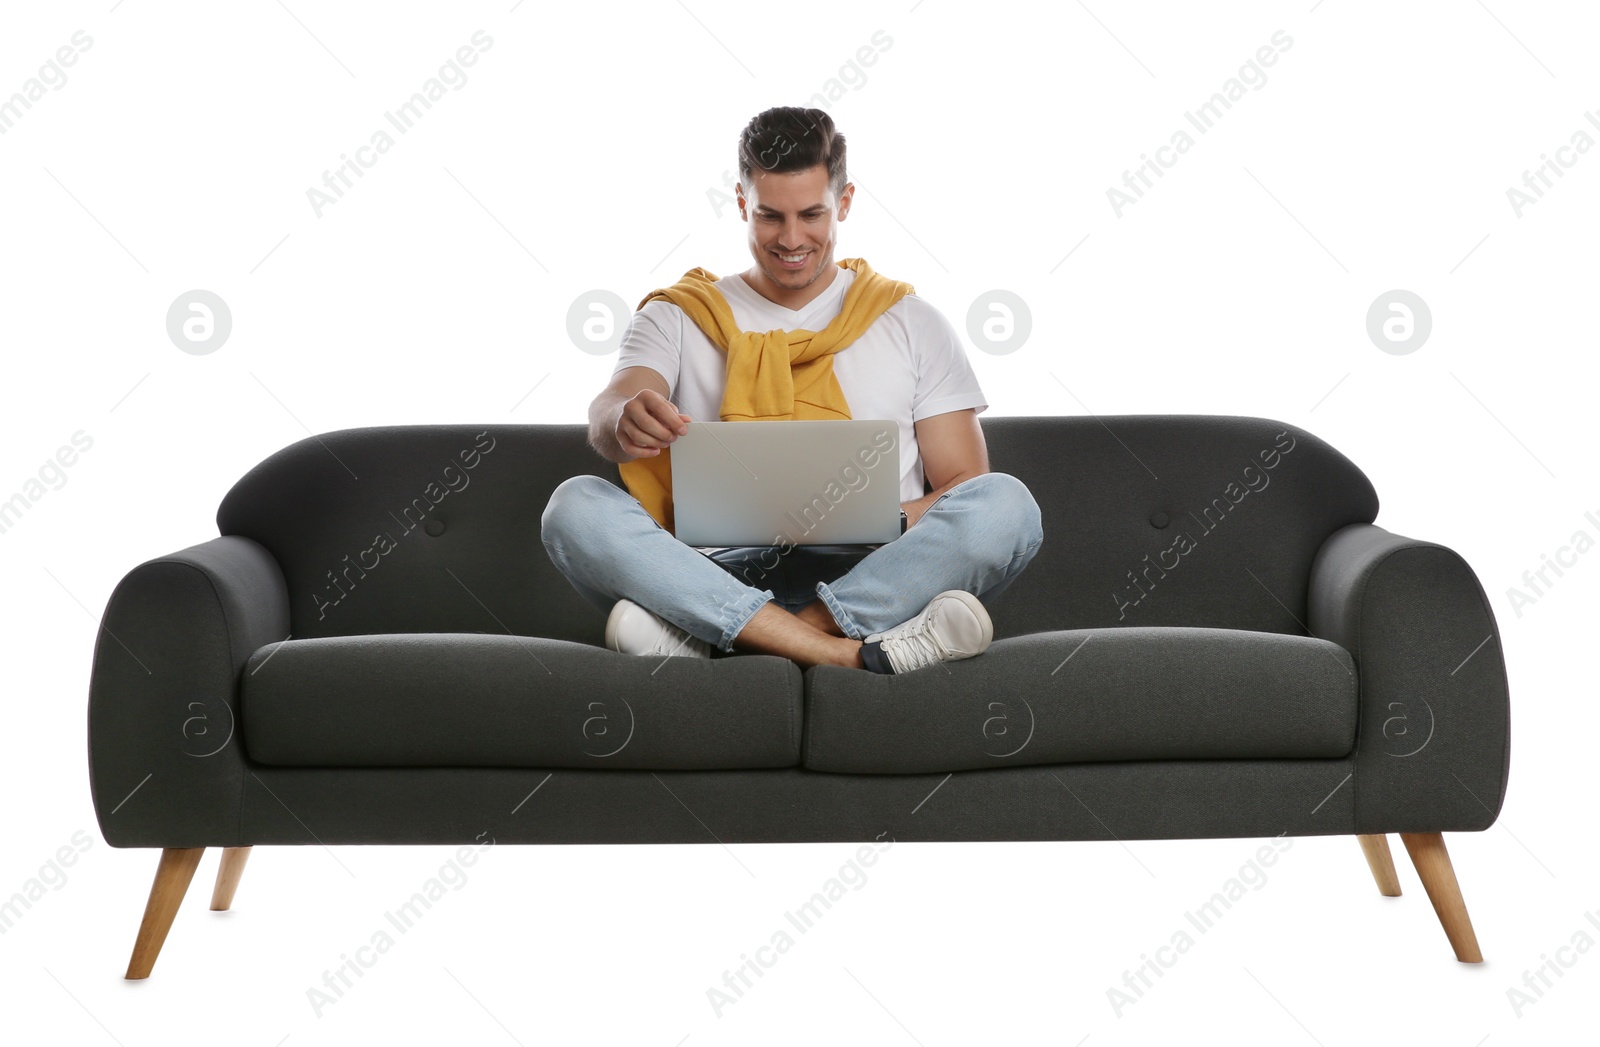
(871, 349)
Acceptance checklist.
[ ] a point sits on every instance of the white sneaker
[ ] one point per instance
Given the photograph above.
(631, 629)
(954, 625)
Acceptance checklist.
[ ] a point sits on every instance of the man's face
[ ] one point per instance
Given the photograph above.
(793, 213)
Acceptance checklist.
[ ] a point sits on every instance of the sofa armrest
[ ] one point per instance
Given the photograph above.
(166, 765)
(1433, 738)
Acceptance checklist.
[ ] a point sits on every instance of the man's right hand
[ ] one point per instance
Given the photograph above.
(649, 422)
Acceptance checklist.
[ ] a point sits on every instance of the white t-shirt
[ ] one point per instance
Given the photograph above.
(909, 365)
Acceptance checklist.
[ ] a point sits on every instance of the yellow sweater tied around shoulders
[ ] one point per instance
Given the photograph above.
(771, 375)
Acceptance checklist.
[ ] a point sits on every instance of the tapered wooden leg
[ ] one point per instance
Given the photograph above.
(173, 874)
(1381, 862)
(1439, 879)
(228, 873)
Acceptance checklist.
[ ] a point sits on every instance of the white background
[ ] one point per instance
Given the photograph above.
(579, 155)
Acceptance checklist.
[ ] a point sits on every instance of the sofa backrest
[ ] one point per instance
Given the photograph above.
(1176, 520)
(1148, 520)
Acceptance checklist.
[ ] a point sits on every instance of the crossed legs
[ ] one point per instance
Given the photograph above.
(976, 537)
(809, 637)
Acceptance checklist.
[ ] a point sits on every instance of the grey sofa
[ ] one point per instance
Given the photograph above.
(1213, 641)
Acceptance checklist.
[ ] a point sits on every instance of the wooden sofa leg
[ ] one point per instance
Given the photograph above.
(173, 874)
(1381, 862)
(228, 873)
(1439, 879)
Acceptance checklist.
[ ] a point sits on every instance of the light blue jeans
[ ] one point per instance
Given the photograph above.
(977, 536)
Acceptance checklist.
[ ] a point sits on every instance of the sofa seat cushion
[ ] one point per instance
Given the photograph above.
(1085, 695)
(479, 700)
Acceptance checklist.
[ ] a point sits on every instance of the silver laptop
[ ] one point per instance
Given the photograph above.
(787, 483)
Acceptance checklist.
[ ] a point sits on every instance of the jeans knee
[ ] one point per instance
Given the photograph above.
(1016, 513)
(570, 508)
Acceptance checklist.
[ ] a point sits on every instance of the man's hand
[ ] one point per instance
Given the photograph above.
(649, 422)
(914, 510)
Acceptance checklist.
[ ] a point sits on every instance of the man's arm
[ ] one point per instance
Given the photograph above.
(952, 449)
(632, 417)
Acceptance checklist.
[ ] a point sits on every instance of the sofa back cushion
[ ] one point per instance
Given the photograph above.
(1148, 520)
(419, 528)
(1184, 520)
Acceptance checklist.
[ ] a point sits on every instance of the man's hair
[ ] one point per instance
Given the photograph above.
(789, 138)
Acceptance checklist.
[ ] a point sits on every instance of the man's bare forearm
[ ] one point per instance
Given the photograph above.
(603, 416)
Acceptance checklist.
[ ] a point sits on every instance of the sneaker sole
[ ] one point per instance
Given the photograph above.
(980, 612)
(614, 623)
